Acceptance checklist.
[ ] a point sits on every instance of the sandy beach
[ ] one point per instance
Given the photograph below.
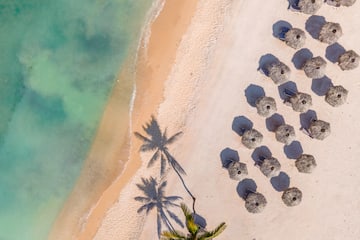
(197, 83)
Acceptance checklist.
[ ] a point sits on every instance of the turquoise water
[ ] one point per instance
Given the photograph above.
(59, 60)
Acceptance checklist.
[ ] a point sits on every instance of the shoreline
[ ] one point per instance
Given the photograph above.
(81, 217)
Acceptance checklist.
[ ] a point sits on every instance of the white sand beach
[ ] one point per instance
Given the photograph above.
(216, 61)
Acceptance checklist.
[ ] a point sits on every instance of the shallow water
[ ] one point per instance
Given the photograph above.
(59, 61)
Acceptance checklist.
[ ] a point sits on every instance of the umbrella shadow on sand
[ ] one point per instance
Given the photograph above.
(314, 24)
(306, 118)
(260, 153)
(280, 182)
(287, 87)
(300, 57)
(240, 124)
(252, 93)
(266, 60)
(293, 150)
(320, 86)
(227, 156)
(280, 27)
(334, 51)
(273, 122)
(245, 186)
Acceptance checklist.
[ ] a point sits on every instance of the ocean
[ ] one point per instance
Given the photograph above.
(59, 61)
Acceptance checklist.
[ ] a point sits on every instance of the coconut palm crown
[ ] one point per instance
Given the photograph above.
(158, 142)
(195, 232)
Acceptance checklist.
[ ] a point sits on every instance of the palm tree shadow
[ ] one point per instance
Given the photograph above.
(157, 141)
(154, 198)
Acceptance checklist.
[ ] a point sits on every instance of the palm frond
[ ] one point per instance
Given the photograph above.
(153, 129)
(161, 189)
(168, 203)
(174, 163)
(164, 136)
(158, 220)
(153, 158)
(148, 147)
(172, 235)
(190, 222)
(173, 198)
(212, 234)
(146, 207)
(141, 137)
(142, 199)
(175, 218)
(173, 138)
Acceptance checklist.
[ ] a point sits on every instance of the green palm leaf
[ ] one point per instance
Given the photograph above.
(173, 235)
(190, 222)
(214, 233)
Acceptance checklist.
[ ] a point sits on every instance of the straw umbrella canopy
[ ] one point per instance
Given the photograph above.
(330, 32)
(270, 167)
(265, 106)
(300, 102)
(279, 72)
(285, 134)
(349, 60)
(252, 138)
(295, 38)
(310, 6)
(255, 202)
(319, 129)
(315, 67)
(237, 170)
(336, 96)
(347, 3)
(292, 197)
(305, 163)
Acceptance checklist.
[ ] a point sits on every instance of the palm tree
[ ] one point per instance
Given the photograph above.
(158, 141)
(195, 232)
(155, 198)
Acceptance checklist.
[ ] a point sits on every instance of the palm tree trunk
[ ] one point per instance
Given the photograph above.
(186, 188)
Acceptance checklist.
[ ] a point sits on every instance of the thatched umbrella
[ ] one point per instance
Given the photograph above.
(270, 167)
(237, 170)
(305, 163)
(279, 72)
(336, 96)
(252, 138)
(319, 129)
(300, 102)
(330, 32)
(285, 134)
(292, 196)
(265, 106)
(255, 202)
(295, 38)
(310, 6)
(315, 67)
(347, 3)
(349, 60)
